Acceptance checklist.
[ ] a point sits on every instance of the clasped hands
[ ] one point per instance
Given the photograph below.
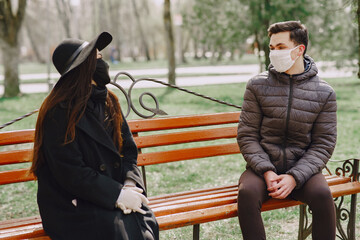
(131, 199)
(279, 186)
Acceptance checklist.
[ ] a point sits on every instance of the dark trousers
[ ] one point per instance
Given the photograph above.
(315, 193)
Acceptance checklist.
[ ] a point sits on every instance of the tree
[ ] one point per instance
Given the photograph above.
(113, 8)
(170, 46)
(265, 12)
(10, 23)
(333, 32)
(37, 38)
(216, 26)
(141, 31)
(358, 23)
(65, 12)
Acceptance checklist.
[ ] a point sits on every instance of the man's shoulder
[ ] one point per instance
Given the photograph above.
(322, 85)
(259, 79)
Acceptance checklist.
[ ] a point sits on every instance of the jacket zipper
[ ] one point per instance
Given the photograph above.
(287, 123)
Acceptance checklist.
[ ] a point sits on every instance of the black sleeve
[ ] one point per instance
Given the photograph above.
(129, 154)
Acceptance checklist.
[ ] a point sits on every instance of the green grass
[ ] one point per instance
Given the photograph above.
(19, 200)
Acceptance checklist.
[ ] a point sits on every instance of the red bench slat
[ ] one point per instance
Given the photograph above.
(15, 156)
(15, 176)
(187, 154)
(16, 137)
(185, 137)
(155, 124)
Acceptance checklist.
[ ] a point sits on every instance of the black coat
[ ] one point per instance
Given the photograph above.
(90, 170)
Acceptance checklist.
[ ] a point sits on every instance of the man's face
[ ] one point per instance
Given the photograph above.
(281, 41)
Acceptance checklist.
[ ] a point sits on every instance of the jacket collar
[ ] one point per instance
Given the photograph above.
(310, 71)
(92, 127)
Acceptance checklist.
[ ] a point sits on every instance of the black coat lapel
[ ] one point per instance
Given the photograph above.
(92, 127)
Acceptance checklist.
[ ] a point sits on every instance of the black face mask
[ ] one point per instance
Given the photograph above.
(101, 74)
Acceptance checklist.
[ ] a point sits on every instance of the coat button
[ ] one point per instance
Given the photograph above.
(102, 167)
(116, 165)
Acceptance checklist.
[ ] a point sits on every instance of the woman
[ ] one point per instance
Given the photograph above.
(85, 159)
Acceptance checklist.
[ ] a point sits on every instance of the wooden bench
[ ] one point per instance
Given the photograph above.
(213, 135)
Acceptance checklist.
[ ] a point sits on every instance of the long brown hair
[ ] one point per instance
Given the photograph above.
(74, 91)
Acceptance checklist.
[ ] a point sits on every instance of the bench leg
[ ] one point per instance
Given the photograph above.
(305, 227)
(342, 214)
(352, 217)
(144, 176)
(196, 232)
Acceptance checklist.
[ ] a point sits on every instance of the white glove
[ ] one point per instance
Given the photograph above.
(128, 182)
(131, 199)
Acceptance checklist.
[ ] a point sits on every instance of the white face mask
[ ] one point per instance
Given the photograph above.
(281, 59)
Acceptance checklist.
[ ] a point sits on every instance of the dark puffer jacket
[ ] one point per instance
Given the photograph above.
(288, 123)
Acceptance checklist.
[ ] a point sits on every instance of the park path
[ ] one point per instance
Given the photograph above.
(203, 75)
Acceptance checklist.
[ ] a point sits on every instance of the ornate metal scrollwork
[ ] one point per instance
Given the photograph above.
(156, 110)
(345, 169)
(342, 215)
(350, 168)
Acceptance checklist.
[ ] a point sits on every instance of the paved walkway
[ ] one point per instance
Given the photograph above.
(232, 74)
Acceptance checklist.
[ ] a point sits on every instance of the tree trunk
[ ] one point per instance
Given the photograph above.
(221, 53)
(114, 18)
(195, 38)
(10, 55)
(142, 35)
(154, 46)
(185, 48)
(33, 42)
(265, 42)
(258, 46)
(10, 25)
(266, 49)
(196, 48)
(64, 12)
(358, 20)
(204, 51)
(169, 42)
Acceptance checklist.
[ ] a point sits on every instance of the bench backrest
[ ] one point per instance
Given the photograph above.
(149, 134)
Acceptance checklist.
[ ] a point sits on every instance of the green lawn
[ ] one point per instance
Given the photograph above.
(20, 200)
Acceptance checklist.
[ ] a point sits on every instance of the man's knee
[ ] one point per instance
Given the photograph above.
(321, 197)
(248, 196)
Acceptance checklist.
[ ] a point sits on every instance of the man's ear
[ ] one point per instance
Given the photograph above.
(301, 49)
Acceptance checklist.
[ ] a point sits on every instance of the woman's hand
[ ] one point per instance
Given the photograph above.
(131, 199)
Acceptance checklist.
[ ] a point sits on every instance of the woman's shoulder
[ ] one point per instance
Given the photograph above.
(58, 111)
(56, 117)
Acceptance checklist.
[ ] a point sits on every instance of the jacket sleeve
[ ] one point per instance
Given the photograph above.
(248, 135)
(129, 155)
(323, 140)
(67, 166)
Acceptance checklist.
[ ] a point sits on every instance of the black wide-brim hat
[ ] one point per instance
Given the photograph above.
(71, 52)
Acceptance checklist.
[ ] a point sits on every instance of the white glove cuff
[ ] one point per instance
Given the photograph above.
(129, 182)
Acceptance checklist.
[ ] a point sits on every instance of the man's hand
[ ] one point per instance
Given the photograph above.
(271, 179)
(284, 186)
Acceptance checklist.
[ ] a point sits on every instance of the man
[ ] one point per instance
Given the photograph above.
(287, 133)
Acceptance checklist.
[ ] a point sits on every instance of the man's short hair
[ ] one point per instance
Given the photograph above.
(298, 32)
